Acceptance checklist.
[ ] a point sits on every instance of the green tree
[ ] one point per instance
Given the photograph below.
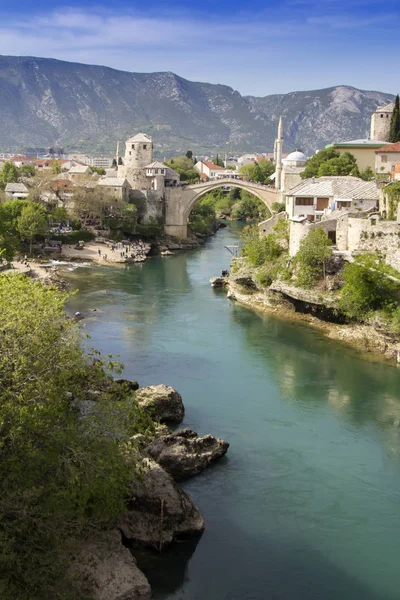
(218, 161)
(260, 171)
(10, 212)
(260, 251)
(345, 164)
(27, 171)
(189, 154)
(98, 170)
(9, 173)
(367, 288)
(313, 164)
(56, 167)
(392, 192)
(278, 207)
(367, 174)
(394, 135)
(315, 249)
(32, 222)
(120, 160)
(114, 162)
(65, 468)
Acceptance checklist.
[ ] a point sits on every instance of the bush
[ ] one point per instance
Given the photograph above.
(310, 260)
(260, 251)
(367, 289)
(74, 236)
(278, 207)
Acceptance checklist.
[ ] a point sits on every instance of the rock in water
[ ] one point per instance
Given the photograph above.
(164, 400)
(105, 570)
(184, 453)
(159, 511)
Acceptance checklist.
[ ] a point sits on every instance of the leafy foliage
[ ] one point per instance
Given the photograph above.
(394, 135)
(184, 167)
(8, 174)
(259, 171)
(367, 288)
(32, 222)
(260, 251)
(311, 258)
(392, 191)
(65, 462)
(330, 162)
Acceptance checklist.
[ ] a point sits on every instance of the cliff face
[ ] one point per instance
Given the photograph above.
(88, 108)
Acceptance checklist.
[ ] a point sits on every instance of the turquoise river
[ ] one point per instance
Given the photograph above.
(306, 505)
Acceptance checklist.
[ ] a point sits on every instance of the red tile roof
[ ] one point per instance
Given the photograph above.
(211, 165)
(389, 148)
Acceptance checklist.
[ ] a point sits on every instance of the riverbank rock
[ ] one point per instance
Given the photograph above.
(184, 453)
(164, 400)
(218, 281)
(130, 384)
(104, 569)
(159, 510)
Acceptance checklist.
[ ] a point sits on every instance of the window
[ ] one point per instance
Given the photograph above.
(381, 116)
(157, 171)
(384, 158)
(304, 201)
(130, 152)
(133, 147)
(162, 171)
(144, 146)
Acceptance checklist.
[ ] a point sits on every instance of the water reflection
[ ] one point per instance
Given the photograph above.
(308, 368)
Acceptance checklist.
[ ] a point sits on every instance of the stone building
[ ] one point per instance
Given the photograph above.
(380, 122)
(138, 154)
(117, 186)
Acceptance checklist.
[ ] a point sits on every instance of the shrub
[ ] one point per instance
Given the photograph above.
(367, 289)
(260, 251)
(74, 236)
(310, 260)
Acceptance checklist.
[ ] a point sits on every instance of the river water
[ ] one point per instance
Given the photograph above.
(306, 505)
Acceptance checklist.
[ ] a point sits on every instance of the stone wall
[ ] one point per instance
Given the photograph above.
(266, 227)
(372, 235)
(153, 205)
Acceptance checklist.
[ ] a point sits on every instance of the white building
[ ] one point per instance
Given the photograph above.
(208, 169)
(314, 198)
(17, 191)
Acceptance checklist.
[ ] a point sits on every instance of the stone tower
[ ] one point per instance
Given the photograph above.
(278, 156)
(380, 123)
(138, 154)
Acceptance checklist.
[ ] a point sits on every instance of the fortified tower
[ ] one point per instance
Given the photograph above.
(380, 123)
(138, 154)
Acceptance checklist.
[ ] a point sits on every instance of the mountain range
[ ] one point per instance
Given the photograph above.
(88, 108)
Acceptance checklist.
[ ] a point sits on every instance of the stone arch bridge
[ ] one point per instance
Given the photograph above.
(179, 201)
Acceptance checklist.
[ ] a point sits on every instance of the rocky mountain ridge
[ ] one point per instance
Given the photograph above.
(88, 108)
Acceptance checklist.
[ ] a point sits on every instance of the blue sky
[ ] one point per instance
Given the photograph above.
(257, 48)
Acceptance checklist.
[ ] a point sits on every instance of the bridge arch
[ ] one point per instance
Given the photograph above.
(179, 202)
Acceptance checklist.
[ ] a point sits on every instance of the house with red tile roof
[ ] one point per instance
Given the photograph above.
(207, 168)
(387, 158)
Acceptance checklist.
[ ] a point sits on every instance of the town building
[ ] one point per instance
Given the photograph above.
(387, 158)
(314, 198)
(363, 150)
(117, 186)
(77, 172)
(208, 169)
(380, 122)
(17, 191)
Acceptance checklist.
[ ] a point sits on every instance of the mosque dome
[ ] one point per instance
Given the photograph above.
(295, 157)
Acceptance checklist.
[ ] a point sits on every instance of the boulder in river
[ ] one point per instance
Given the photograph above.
(159, 511)
(184, 453)
(164, 400)
(218, 281)
(104, 569)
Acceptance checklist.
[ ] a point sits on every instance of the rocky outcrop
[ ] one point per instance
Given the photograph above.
(164, 401)
(159, 511)
(103, 569)
(128, 383)
(184, 453)
(314, 302)
(218, 281)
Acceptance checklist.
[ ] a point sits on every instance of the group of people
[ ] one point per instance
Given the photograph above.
(132, 250)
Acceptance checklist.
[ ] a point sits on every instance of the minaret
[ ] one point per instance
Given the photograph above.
(279, 143)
